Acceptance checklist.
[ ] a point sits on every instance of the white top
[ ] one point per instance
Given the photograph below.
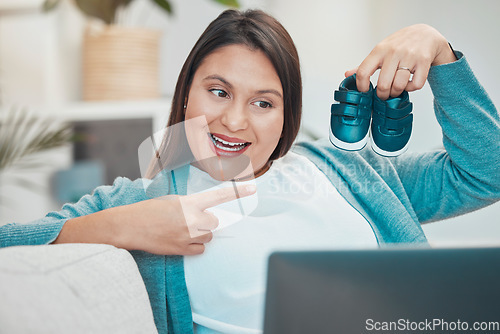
(295, 208)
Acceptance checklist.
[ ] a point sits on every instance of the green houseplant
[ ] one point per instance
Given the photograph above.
(119, 62)
(106, 10)
(22, 135)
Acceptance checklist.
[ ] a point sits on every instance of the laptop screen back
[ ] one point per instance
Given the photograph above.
(384, 291)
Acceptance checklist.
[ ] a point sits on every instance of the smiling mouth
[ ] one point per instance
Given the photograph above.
(226, 145)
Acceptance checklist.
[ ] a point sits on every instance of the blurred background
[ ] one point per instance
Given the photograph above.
(51, 68)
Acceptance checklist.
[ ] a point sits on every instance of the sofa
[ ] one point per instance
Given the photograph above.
(72, 288)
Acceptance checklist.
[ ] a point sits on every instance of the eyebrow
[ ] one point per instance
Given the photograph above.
(270, 91)
(217, 77)
(224, 81)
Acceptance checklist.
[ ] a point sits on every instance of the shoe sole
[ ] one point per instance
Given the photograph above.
(385, 153)
(348, 146)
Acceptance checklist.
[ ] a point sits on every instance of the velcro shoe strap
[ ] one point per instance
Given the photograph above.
(352, 97)
(400, 112)
(350, 110)
(395, 124)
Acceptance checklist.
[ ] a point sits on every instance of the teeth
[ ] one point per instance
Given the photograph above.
(235, 146)
(226, 142)
(230, 148)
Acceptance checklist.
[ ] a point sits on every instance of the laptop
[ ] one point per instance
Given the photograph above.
(384, 291)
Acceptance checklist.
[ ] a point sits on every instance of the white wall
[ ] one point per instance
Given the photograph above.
(40, 59)
(29, 61)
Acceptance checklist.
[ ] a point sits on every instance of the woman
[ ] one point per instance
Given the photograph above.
(242, 79)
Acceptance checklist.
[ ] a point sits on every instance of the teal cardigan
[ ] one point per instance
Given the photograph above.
(395, 195)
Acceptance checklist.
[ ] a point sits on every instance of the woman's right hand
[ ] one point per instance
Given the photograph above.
(168, 225)
(415, 48)
(173, 224)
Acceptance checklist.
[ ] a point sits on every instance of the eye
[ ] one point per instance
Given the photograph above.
(219, 92)
(263, 104)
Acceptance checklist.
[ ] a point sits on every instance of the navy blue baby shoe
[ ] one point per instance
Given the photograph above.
(350, 118)
(391, 124)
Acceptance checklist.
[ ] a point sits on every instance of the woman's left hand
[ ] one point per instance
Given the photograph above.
(417, 48)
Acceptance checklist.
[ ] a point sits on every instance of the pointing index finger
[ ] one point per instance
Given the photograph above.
(215, 197)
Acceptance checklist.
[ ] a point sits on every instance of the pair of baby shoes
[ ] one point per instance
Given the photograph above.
(359, 114)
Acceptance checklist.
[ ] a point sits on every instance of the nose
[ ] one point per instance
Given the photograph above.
(234, 117)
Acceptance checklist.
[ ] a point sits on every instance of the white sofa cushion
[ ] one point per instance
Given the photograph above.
(72, 288)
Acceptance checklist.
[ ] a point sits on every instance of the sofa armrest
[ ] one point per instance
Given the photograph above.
(72, 288)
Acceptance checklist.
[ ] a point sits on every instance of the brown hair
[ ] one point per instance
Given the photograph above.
(257, 30)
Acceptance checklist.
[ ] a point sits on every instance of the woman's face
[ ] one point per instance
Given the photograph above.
(240, 94)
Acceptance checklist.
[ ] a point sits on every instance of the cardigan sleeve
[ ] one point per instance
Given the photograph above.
(465, 176)
(45, 230)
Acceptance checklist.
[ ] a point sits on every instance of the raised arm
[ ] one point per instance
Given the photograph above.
(465, 176)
